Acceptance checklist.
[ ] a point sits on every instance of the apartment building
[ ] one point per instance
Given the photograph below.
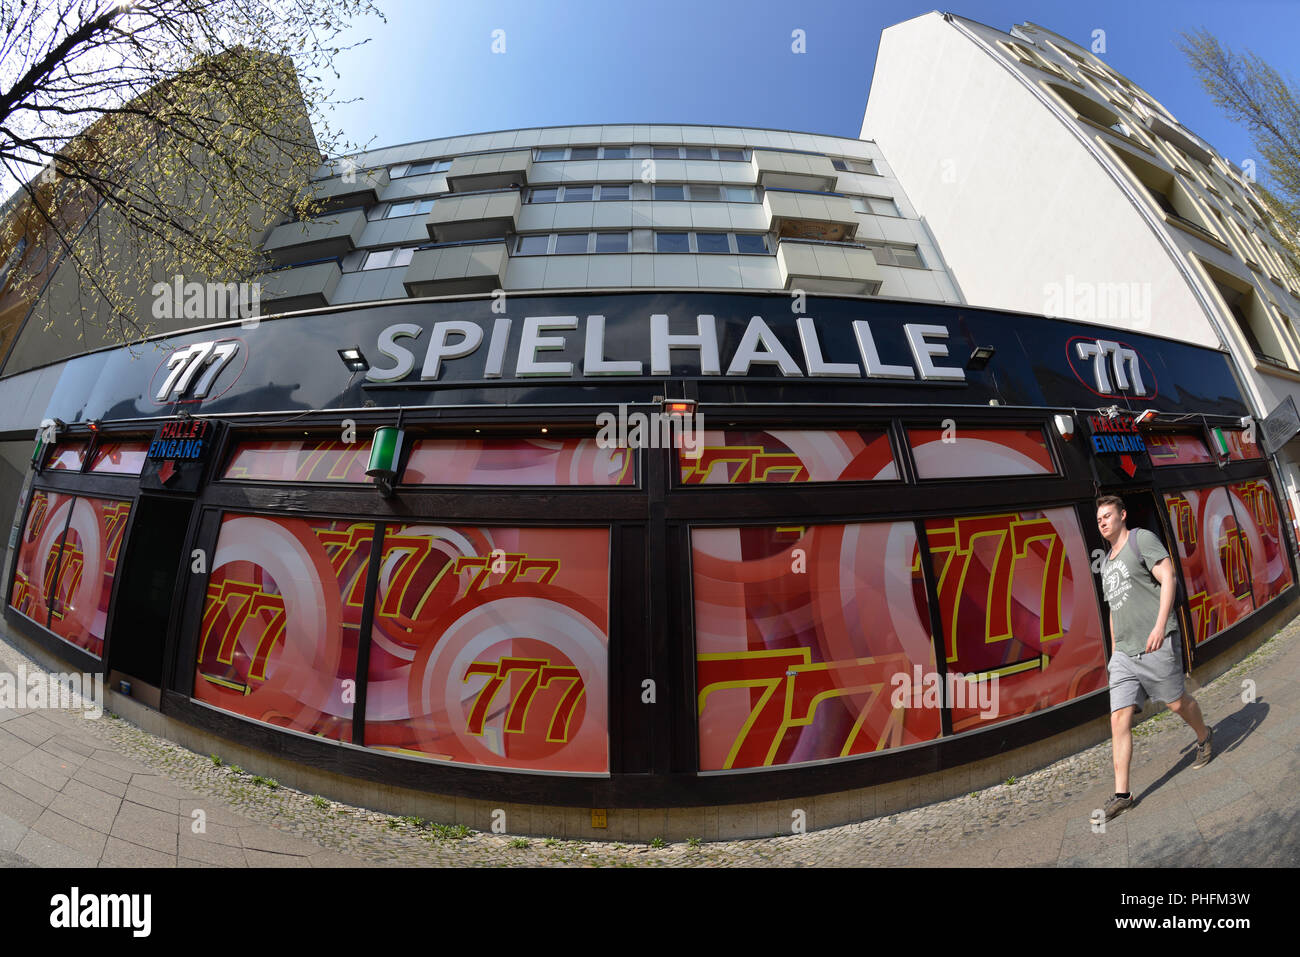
(609, 207)
(1093, 202)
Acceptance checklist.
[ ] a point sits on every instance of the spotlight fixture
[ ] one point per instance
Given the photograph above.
(354, 359)
(93, 425)
(1147, 415)
(1064, 425)
(980, 357)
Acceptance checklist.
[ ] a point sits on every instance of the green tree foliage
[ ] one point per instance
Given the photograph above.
(1251, 91)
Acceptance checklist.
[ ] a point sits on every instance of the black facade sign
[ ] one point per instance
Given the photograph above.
(623, 347)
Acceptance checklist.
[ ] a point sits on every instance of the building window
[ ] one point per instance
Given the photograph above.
(855, 166)
(419, 169)
(532, 245)
(600, 192)
(570, 244)
(887, 254)
(611, 242)
(876, 205)
(712, 243)
(669, 191)
(410, 207)
(387, 258)
(553, 153)
(672, 242)
(1251, 315)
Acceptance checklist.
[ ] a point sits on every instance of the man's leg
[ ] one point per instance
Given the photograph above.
(1121, 745)
(1187, 709)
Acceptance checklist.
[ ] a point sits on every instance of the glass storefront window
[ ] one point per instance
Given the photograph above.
(282, 619)
(79, 605)
(490, 647)
(38, 554)
(564, 461)
(120, 458)
(1216, 557)
(959, 452)
(801, 636)
(1173, 448)
(64, 579)
(1019, 611)
(68, 456)
(1255, 507)
(300, 460)
(782, 456)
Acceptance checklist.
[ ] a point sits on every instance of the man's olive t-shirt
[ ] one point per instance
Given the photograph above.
(1133, 593)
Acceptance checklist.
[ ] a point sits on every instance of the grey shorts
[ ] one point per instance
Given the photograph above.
(1157, 674)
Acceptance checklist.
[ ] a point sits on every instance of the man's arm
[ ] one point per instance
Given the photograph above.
(1163, 572)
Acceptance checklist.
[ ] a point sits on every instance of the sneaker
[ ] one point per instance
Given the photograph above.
(1204, 750)
(1117, 804)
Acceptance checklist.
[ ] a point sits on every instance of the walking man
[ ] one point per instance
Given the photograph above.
(1146, 662)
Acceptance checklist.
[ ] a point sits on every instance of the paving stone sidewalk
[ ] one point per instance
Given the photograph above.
(87, 793)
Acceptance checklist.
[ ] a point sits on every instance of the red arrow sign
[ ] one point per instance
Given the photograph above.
(1128, 465)
(167, 471)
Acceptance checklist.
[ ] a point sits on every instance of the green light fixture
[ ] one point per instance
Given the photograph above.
(1220, 442)
(385, 457)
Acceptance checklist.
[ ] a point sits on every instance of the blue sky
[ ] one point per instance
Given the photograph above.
(430, 71)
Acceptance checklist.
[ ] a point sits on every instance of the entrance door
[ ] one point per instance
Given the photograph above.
(145, 596)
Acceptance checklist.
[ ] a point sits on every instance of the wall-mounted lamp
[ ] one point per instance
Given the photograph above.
(1064, 425)
(354, 359)
(678, 406)
(979, 358)
(1221, 445)
(1146, 416)
(47, 435)
(385, 456)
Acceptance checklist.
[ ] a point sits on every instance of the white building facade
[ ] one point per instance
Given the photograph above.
(1055, 185)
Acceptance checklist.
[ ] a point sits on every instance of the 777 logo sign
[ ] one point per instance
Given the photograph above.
(191, 371)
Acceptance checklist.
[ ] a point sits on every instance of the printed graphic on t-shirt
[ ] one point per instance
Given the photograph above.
(1116, 584)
